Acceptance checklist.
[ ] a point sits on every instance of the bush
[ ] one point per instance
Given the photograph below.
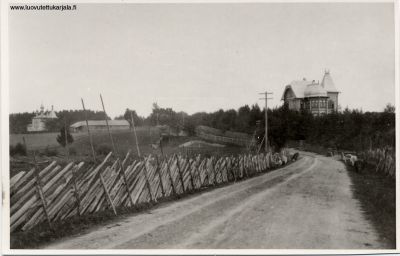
(72, 151)
(103, 149)
(18, 149)
(190, 129)
(61, 137)
(50, 151)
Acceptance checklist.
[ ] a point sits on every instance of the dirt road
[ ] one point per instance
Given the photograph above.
(306, 205)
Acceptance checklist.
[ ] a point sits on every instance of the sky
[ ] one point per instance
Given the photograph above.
(198, 57)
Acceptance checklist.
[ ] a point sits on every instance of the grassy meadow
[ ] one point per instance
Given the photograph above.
(46, 147)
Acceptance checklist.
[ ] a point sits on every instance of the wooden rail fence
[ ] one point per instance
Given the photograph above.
(223, 139)
(383, 160)
(57, 192)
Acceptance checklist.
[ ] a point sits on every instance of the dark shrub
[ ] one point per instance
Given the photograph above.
(103, 149)
(50, 151)
(18, 149)
(61, 137)
(72, 151)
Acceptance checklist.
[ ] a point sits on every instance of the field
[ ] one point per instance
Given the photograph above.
(35, 140)
(38, 141)
(124, 141)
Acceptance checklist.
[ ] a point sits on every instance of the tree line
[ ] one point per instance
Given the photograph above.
(348, 129)
(20, 121)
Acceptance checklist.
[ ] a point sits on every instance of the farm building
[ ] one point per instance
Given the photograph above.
(318, 98)
(39, 120)
(99, 125)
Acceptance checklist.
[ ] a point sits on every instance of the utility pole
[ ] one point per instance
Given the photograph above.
(266, 117)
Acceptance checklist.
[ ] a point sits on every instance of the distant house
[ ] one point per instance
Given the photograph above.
(100, 125)
(317, 98)
(38, 123)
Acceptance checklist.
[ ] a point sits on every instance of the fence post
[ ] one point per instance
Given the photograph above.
(245, 173)
(76, 191)
(108, 197)
(107, 193)
(180, 173)
(233, 166)
(197, 165)
(226, 169)
(170, 177)
(206, 177)
(236, 161)
(40, 191)
(217, 171)
(190, 172)
(160, 177)
(212, 169)
(152, 198)
(125, 179)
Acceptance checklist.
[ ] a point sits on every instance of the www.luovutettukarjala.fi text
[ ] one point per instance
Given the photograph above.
(46, 7)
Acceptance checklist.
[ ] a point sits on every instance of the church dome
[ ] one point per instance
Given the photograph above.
(52, 114)
(315, 90)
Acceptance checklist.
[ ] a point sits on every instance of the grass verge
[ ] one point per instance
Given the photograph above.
(377, 196)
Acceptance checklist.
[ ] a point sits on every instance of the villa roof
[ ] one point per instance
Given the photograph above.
(315, 90)
(304, 88)
(327, 82)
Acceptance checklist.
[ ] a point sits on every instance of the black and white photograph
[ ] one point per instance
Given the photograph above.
(199, 127)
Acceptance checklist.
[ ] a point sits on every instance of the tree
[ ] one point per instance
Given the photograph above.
(53, 125)
(19, 122)
(127, 116)
(243, 119)
(164, 116)
(389, 108)
(61, 137)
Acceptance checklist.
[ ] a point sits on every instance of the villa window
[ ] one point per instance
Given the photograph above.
(331, 104)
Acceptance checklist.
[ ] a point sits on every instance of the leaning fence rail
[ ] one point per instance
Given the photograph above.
(57, 192)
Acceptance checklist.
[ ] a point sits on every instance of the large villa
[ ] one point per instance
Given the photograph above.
(318, 98)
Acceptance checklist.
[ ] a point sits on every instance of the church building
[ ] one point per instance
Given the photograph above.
(39, 120)
(317, 98)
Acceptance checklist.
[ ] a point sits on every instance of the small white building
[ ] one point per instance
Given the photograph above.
(39, 120)
(100, 125)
